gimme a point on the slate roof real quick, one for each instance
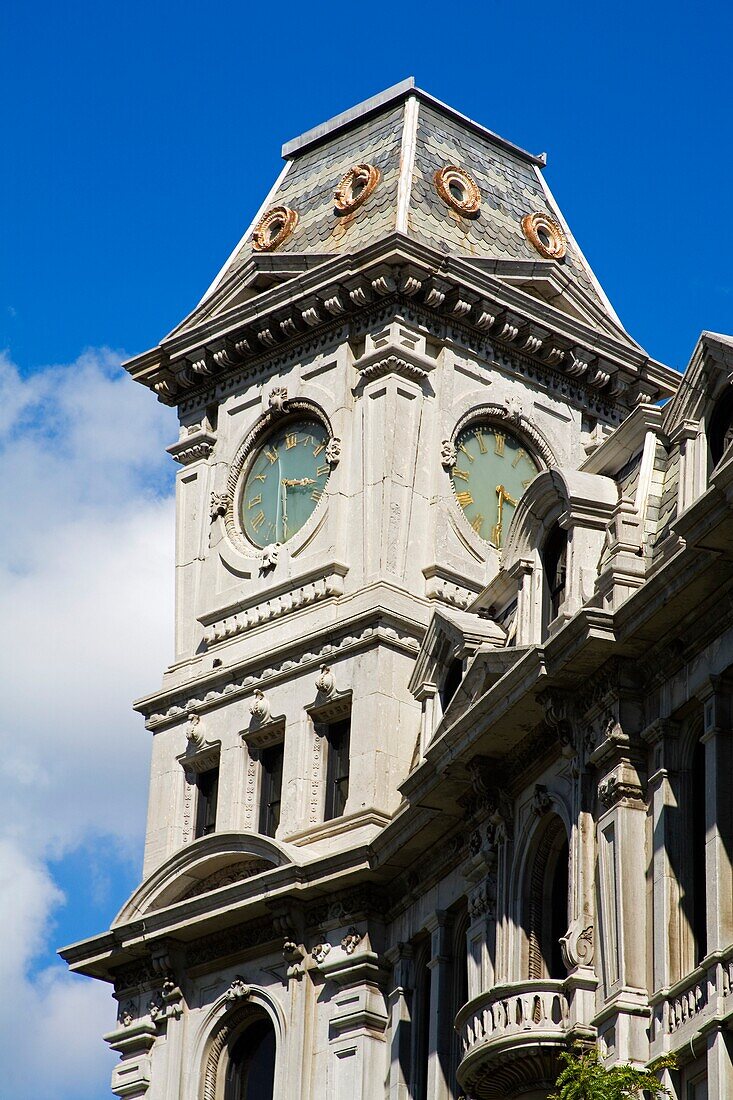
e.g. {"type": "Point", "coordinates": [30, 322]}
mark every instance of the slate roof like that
{"type": "Point", "coordinates": [383, 132]}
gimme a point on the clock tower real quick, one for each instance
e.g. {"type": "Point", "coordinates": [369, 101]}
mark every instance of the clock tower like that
{"type": "Point", "coordinates": [405, 339]}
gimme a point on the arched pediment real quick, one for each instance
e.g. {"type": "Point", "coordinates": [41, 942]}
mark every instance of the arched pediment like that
{"type": "Point", "coordinates": [209, 863]}
{"type": "Point", "coordinates": [586, 499]}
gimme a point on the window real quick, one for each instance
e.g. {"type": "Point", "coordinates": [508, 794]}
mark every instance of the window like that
{"type": "Point", "coordinates": [338, 736]}
{"type": "Point", "coordinates": [451, 682]}
{"type": "Point", "coordinates": [554, 561]}
{"type": "Point", "coordinates": [546, 903]}
{"type": "Point", "coordinates": [207, 784]}
{"type": "Point", "coordinates": [720, 427]}
{"type": "Point", "coordinates": [250, 1073]}
{"type": "Point", "coordinates": [271, 790]}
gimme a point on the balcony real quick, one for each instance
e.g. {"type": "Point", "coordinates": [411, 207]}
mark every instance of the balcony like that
{"type": "Point", "coordinates": [511, 1036]}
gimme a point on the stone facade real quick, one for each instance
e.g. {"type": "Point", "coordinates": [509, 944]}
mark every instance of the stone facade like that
{"type": "Point", "coordinates": [434, 794]}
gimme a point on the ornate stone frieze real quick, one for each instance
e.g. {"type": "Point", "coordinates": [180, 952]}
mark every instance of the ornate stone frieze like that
{"type": "Point", "coordinates": [192, 448]}
{"type": "Point", "coordinates": [185, 700]}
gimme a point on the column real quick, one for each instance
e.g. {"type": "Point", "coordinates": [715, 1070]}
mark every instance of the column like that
{"type": "Point", "coordinates": [441, 1004]}
{"type": "Point", "coordinates": [399, 1005]}
{"type": "Point", "coordinates": [718, 740]}
{"type": "Point", "coordinates": [720, 1065]}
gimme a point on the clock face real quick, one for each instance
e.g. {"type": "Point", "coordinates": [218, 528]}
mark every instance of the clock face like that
{"type": "Point", "coordinates": [492, 470]}
{"type": "Point", "coordinates": [284, 482]}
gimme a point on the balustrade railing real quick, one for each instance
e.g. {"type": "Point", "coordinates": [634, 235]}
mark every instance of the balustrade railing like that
{"type": "Point", "coordinates": [520, 1009]}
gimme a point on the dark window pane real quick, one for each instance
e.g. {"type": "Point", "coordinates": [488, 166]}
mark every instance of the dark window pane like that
{"type": "Point", "coordinates": [272, 781]}
{"type": "Point", "coordinates": [554, 558]}
{"type": "Point", "coordinates": [252, 1067]}
{"type": "Point", "coordinates": [208, 790]}
{"type": "Point", "coordinates": [337, 771]}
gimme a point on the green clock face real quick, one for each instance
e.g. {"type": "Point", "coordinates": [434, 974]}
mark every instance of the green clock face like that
{"type": "Point", "coordinates": [285, 482]}
{"type": "Point", "coordinates": [492, 470]}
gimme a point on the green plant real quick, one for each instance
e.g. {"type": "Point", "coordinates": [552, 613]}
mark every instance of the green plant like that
{"type": "Point", "coordinates": [584, 1077]}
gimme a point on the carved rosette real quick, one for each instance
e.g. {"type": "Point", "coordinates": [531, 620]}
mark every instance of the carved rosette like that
{"type": "Point", "coordinates": [274, 228]}
{"type": "Point", "coordinates": [355, 187]}
{"type": "Point", "coordinates": [545, 235]}
{"type": "Point", "coordinates": [458, 190]}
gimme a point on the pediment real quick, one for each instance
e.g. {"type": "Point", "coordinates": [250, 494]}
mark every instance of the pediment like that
{"type": "Point", "coordinates": [260, 273]}
{"type": "Point", "coordinates": [547, 282]}
{"type": "Point", "coordinates": [451, 634]}
{"type": "Point", "coordinates": [210, 863]}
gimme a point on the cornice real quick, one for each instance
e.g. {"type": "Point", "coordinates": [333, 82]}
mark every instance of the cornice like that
{"type": "Point", "coordinates": [309, 309]}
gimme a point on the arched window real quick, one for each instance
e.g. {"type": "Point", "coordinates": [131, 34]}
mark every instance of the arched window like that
{"type": "Point", "coordinates": [546, 916]}
{"type": "Point", "coordinates": [421, 1024]}
{"type": "Point", "coordinates": [251, 1069]}
{"type": "Point", "coordinates": [720, 427]}
{"type": "Point", "coordinates": [554, 564]}
{"type": "Point", "coordinates": [240, 1063]}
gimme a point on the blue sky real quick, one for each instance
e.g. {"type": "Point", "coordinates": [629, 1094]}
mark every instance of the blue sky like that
{"type": "Point", "coordinates": [139, 139]}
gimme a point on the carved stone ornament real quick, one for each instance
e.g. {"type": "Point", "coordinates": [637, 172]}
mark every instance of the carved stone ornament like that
{"type": "Point", "coordinates": [278, 399]}
{"type": "Point", "coordinates": [541, 801]}
{"type": "Point", "coordinates": [218, 505]}
{"type": "Point", "coordinates": [545, 235]}
{"type": "Point", "coordinates": [514, 409]}
{"type": "Point", "coordinates": [457, 189]}
{"type": "Point", "coordinates": [270, 555]}
{"type": "Point", "coordinates": [448, 454]}
{"type": "Point", "coordinates": [127, 1014]}
{"type": "Point", "coordinates": [194, 730]}
{"type": "Point", "coordinates": [273, 228]}
{"type": "Point", "coordinates": [320, 951]}
{"type": "Point", "coordinates": [577, 946]}
{"type": "Point", "coordinates": [260, 707]}
{"type": "Point", "coordinates": [325, 682]}
{"type": "Point", "coordinates": [351, 941]}
{"type": "Point", "coordinates": [333, 451]}
{"type": "Point", "coordinates": [238, 990]}
{"type": "Point", "coordinates": [355, 187]}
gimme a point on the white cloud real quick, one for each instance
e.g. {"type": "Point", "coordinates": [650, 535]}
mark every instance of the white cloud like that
{"type": "Point", "coordinates": [86, 589]}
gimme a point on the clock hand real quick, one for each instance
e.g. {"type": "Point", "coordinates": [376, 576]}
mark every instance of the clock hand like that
{"type": "Point", "coordinates": [284, 501]}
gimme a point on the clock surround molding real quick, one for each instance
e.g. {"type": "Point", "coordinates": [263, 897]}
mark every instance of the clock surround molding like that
{"type": "Point", "coordinates": [297, 408]}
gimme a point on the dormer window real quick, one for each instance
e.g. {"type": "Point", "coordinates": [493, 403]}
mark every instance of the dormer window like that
{"type": "Point", "coordinates": [720, 427]}
{"type": "Point", "coordinates": [451, 682]}
{"type": "Point", "coordinates": [554, 562]}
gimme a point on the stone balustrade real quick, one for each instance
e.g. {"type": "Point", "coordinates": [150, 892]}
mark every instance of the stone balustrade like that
{"type": "Point", "coordinates": [531, 1019]}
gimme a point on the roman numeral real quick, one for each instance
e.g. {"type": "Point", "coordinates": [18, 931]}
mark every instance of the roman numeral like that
{"type": "Point", "coordinates": [477, 524]}
{"type": "Point", "coordinates": [496, 534]}
{"type": "Point", "coordinates": [316, 495]}
{"type": "Point", "coordinates": [521, 453]}
{"type": "Point", "coordinates": [258, 520]}
{"type": "Point", "coordinates": [481, 444]}
{"type": "Point", "coordinates": [321, 470]}
{"type": "Point", "coordinates": [499, 441]}
{"type": "Point", "coordinates": [527, 481]}
{"type": "Point", "coordinates": [462, 474]}
{"type": "Point", "coordinates": [260, 477]}
{"type": "Point", "coordinates": [255, 500]}
{"type": "Point", "coordinates": [290, 441]}
{"type": "Point", "coordinates": [272, 455]}
{"type": "Point", "coordinates": [462, 447]}
{"type": "Point", "coordinates": [464, 499]}
{"type": "Point", "coordinates": [318, 449]}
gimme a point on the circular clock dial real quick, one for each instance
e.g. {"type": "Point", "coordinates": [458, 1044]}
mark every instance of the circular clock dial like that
{"type": "Point", "coordinates": [285, 482]}
{"type": "Point", "coordinates": [492, 470]}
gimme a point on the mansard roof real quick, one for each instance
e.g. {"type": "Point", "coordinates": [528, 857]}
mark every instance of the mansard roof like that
{"type": "Point", "coordinates": [408, 135]}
